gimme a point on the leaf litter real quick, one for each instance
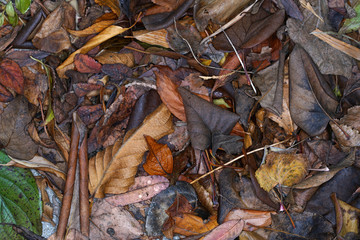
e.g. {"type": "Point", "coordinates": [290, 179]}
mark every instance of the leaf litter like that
{"type": "Point", "coordinates": [154, 102]}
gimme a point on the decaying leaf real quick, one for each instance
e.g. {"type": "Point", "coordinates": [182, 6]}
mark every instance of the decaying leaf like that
{"type": "Point", "coordinates": [159, 161]}
{"type": "Point", "coordinates": [95, 28]}
{"type": "Point", "coordinates": [144, 188]}
{"type": "Point", "coordinates": [113, 170]}
{"type": "Point", "coordinates": [252, 218]}
{"type": "Point", "coordinates": [350, 124]}
{"type": "Point", "coordinates": [226, 231]}
{"type": "Point", "coordinates": [13, 130]}
{"type": "Point", "coordinates": [11, 76]}
{"type": "Point", "coordinates": [281, 168]}
{"type": "Point", "coordinates": [152, 37]}
{"type": "Point", "coordinates": [312, 101]}
{"type": "Point", "coordinates": [86, 64]}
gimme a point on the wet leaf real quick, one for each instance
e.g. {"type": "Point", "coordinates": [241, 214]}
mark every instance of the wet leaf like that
{"type": "Point", "coordinates": [159, 161]}
{"type": "Point", "coordinates": [13, 130]}
{"type": "Point", "coordinates": [311, 99]}
{"type": "Point", "coordinates": [113, 170]}
{"type": "Point", "coordinates": [226, 231]}
{"type": "Point", "coordinates": [112, 4]}
{"type": "Point", "coordinates": [11, 76]}
{"type": "Point", "coordinates": [86, 64]}
{"type": "Point", "coordinates": [21, 205]}
{"type": "Point", "coordinates": [281, 168]}
{"type": "Point", "coordinates": [95, 28]}
{"type": "Point", "coordinates": [205, 119]}
{"type": "Point", "coordinates": [144, 188]}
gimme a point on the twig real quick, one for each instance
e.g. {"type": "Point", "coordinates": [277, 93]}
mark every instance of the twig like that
{"type": "Point", "coordinates": [237, 158]}
{"type": "Point", "coordinates": [84, 192]}
{"type": "Point", "coordinates": [69, 184]}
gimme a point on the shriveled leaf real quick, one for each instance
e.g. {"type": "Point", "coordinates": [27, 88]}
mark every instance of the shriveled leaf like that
{"type": "Point", "coordinates": [38, 163]}
{"type": "Point", "coordinates": [189, 224]}
{"type": "Point", "coordinates": [13, 130]}
{"type": "Point", "coordinates": [144, 188]}
{"type": "Point", "coordinates": [86, 64]}
{"type": "Point", "coordinates": [167, 90]}
{"type": "Point", "coordinates": [159, 161]}
{"type": "Point", "coordinates": [95, 28]}
{"type": "Point", "coordinates": [251, 30]}
{"type": "Point", "coordinates": [112, 4]}
{"type": "Point", "coordinates": [152, 37]}
{"type": "Point", "coordinates": [311, 99]}
{"type": "Point", "coordinates": [19, 199]}
{"type": "Point", "coordinates": [106, 34]}
{"type": "Point", "coordinates": [281, 168]}
{"type": "Point", "coordinates": [113, 170]}
{"type": "Point", "coordinates": [107, 57]}
{"type": "Point", "coordinates": [226, 231]}
{"type": "Point", "coordinates": [205, 197]}
{"type": "Point", "coordinates": [350, 124]}
{"type": "Point", "coordinates": [252, 218]}
{"type": "Point", "coordinates": [11, 76]}
{"type": "Point", "coordinates": [205, 119]}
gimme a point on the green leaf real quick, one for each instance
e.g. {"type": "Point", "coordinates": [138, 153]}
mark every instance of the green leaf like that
{"type": "Point", "coordinates": [13, 20]}
{"type": "Point", "coordinates": [2, 19]}
{"type": "Point", "coordinates": [22, 5]}
{"type": "Point", "coordinates": [19, 200]}
{"type": "Point", "coordinates": [352, 24]}
{"type": "Point", "coordinates": [9, 9]}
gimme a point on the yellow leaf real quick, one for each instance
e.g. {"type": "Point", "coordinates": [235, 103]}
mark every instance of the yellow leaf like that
{"type": "Point", "coordinates": [106, 34]}
{"type": "Point", "coordinates": [152, 37]}
{"type": "Point", "coordinates": [95, 28]}
{"type": "Point", "coordinates": [112, 4]}
{"type": "Point", "coordinates": [281, 168]}
{"type": "Point", "coordinates": [113, 170]}
{"type": "Point", "coordinates": [350, 218]}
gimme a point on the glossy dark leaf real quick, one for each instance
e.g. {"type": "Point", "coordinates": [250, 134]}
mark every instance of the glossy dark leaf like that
{"type": "Point", "coordinates": [311, 99]}
{"type": "Point", "coordinates": [205, 118]}
{"type": "Point", "coordinates": [11, 76]}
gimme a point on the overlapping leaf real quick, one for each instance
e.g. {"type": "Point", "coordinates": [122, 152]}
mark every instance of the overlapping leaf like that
{"type": "Point", "coordinates": [11, 76]}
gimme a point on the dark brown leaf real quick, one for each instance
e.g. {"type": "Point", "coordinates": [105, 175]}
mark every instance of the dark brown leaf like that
{"type": "Point", "coordinates": [117, 71]}
{"type": "Point", "coordinates": [81, 89]}
{"type": "Point", "coordinates": [90, 114]}
{"type": "Point", "coordinates": [11, 76]}
{"type": "Point", "coordinates": [86, 64]}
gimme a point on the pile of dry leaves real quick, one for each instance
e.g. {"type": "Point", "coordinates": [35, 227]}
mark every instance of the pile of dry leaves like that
{"type": "Point", "coordinates": [185, 119]}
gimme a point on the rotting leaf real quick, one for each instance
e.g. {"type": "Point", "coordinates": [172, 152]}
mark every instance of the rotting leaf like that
{"type": "Point", "coordinates": [11, 76]}
{"type": "Point", "coordinates": [159, 161]}
{"type": "Point", "coordinates": [86, 64]}
{"type": "Point", "coordinates": [205, 119]}
{"type": "Point", "coordinates": [13, 130]}
{"type": "Point", "coordinates": [281, 168]}
{"type": "Point", "coordinates": [113, 170]}
{"type": "Point", "coordinates": [312, 101]}
{"type": "Point", "coordinates": [144, 188]}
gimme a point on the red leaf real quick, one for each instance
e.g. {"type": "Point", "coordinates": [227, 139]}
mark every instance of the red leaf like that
{"type": "Point", "coordinates": [5, 95]}
{"type": "Point", "coordinates": [11, 76]}
{"type": "Point", "coordinates": [86, 64]}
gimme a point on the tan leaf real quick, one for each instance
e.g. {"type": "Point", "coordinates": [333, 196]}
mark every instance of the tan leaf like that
{"type": "Point", "coordinates": [108, 57]}
{"type": "Point", "coordinates": [38, 163]}
{"type": "Point", "coordinates": [152, 37]}
{"type": "Point", "coordinates": [106, 34]}
{"type": "Point", "coordinates": [226, 231]}
{"type": "Point", "coordinates": [281, 168]}
{"type": "Point", "coordinates": [113, 170]}
{"type": "Point", "coordinates": [159, 161]}
{"type": "Point", "coordinates": [95, 28]}
{"type": "Point", "coordinates": [112, 4]}
{"type": "Point", "coordinates": [339, 45]}
{"type": "Point", "coordinates": [189, 224]}
{"type": "Point", "coordinates": [251, 217]}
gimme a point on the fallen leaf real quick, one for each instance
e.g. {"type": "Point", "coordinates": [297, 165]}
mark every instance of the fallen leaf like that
{"type": "Point", "coordinates": [117, 71]}
{"type": "Point", "coordinates": [292, 9]}
{"type": "Point", "coordinates": [108, 57]}
{"type": "Point", "coordinates": [13, 130]}
{"type": "Point", "coordinates": [205, 119]}
{"type": "Point", "coordinates": [159, 161]}
{"type": "Point", "coordinates": [106, 34]}
{"type": "Point", "coordinates": [281, 168]}
{"type": "Point", "coordinates": [189, 224]}
{"type": "Point", "coordinates": [90, 114]}
{"type": "Point", "coordinates": [95, 28]}
{"type": "Point", "coordinates": [312, 101]}
{"type": "Point", "coordinates": [252, 218]}
{"type": "Point", "coordinates": [144, 188]}
{"type": "Point", "coordinates": [112, 4]}
{"type": "Point", "coordinates": [11, 77]}
{"type": "Point", "coordinates": [86, 64]}
{"type": "Point", "coordinates": [226, 231]}
{"type": "Point", "coordinates": [5, 95]}
{"type": "Point", "coordinates": [113, 170]}
{"type": "Point", "coordinates": [350, 124]}
{"type": "Point", "coordinates": [352, 24]}
{"type": "Point", "coordinates": [157, 37]}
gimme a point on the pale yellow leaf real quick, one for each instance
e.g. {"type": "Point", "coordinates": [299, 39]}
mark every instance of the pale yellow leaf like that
{"type": "Point", "coordinates": [350, 218]}
{"type": "Point", "coordinates": [339, 45]}
{"type": "Point", "coordinates": [95, 28]}
{"type": "Point", "coordinates": [281, 168]}
{"type": "Point", "coordinates": [106, 34]}
{"type": "Point", "coordinates": [113, 170]}
{"type": "Point", "coordinates": [152, 37]}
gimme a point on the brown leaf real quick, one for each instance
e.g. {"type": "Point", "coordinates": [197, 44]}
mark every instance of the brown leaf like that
{"type": "Point", "coordinates": [112, 4]}
{"type": "Point", "coordinates": [188, 224]}
{"type": "Point", "coordinates": [159, 161]}
{"type": "Point", "coordinates": [11, 77]}
{"type": "Point", "coordinates": [90, 114]}
{"type": "Point", "coordinates": [106, 34]}
{"type": "Point", "coordinates": [5, 95]}
{"type": "Point", "coordinates": [152, 37]}
{"type": "Point", "coordinates": [95, 28]}
{"type": "Point", "coordinates": [226, 231]}
{"type": "Point", "coordinates": [281, 168]}
{"type": "Point", "coordinates": [86, 64]}
{"type": "Point", "coordinates": [252, 218]}
{"type": "Point", "coordinates": [144, 188]}
{"type": "Point", "coordinates": [108, 57]}
{"type": "Point", "coordinates": [82, 89]}
{"type": "Point", "coordinates": [113, 170]}
{"type": "Point", "coordinates": [13, 130]}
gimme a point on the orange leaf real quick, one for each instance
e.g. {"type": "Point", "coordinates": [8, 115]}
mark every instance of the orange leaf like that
{"type": "Point", "coordinates": [11, 76]}
{"type": "Point", "coordinates": [189, 224]}
{"type": "Point", "coordinates": [160, 160]}
{"type": "Point", "coordinates": [112, 4]}
{"type": "Point", "coordinates": [95, 28]}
